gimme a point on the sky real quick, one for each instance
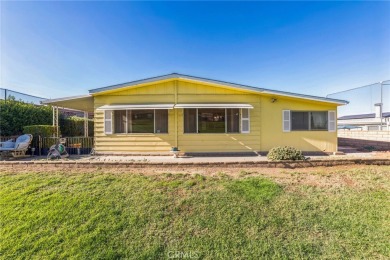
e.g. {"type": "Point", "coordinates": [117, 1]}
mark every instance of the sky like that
{"type": "Point", "coordinates": [57, 49]}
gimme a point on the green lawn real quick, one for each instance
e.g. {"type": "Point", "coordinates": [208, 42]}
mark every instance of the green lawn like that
{"type": "Point", "coordinates": [329, 214]}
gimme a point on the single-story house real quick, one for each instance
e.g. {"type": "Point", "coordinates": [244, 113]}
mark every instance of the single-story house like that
{"type": "Point", "coordinates": [199, 115]}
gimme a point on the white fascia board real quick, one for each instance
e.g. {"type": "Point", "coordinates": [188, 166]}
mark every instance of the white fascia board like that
{"type": "Point", "coordinates": [214, 106]}
{"type": "Point", "coordinates": [135, 106]}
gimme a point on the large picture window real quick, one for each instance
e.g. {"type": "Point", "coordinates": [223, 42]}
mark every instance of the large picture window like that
{"type": "Point", "coordinates": [138, 121]}
{"type": "Point", "coordinates": [309, 121]}
{"type": "Point", "coordinates": [213, 120]}
{"type": "Point", "coordinates": [141, 121]}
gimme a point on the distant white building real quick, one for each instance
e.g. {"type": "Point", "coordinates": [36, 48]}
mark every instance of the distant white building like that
{"type": "Point", "coordinates": [368, 122]}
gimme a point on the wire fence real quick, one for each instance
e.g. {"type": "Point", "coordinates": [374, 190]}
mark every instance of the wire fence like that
{"type": "Point", "coordinates": [362, 100]}
{"type": "Point", "coordinates": [6, 94]}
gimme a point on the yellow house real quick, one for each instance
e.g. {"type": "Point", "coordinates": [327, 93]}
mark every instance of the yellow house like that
{"type": "Point", "coordinates": [198, 115]}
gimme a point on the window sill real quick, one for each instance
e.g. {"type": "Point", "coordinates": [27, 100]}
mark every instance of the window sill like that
{"type": "Point", "coordinates": [135, 134]}
{"type": "Point", "coordinates": [310, 130]}
{"type": "Point", "coordinates": [214, 133]}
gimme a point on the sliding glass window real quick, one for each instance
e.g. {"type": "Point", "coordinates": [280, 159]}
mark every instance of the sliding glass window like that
{"type": "Point", "coordinates": [309, 121]}
{"type": "Point", "coordinates": [212, 120]}
{"type": "Point", "coordinates": [141, 121]}
{"type": "Point", "coordinates": [120, 121]}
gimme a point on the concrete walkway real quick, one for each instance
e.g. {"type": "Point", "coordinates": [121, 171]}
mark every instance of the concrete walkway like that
{"type": "Point", "coordinates": [209, 159]}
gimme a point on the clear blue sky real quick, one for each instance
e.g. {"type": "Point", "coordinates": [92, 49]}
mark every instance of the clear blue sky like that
{"type": "Point", "coordinates": [55, 49]}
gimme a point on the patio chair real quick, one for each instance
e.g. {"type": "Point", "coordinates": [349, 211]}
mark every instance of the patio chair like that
{"type": "Point", "coordinates": [17, 148]}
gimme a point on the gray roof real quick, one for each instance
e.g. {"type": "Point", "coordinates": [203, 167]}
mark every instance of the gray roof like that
{"type": "Point", "coordinates": [363, 116]}
{"type": "Point", "coordinates": [219, 82]}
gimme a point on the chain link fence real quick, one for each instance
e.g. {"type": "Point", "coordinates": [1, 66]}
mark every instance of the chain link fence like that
{"type": "Point", "coordinates": [6, 94]}
{"type": "Point", "coordinates": [362, 100]}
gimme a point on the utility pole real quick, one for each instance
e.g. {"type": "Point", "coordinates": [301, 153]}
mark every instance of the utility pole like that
{"type": "Point", "coordinates": [380, 128]}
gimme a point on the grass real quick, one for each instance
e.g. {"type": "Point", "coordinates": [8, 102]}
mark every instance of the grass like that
{"type": "Point", "coordinates": [109, 215]}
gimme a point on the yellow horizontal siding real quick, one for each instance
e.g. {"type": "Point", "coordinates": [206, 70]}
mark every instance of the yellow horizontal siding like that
{"type": "Point", "coordinates": [190, 88]}
{"type": "Point", "coordinates": [133, 142]}
{"type": "Point", "coordinates": [265, 121]}
{"type": "Point", "coordinates": [273, 134]}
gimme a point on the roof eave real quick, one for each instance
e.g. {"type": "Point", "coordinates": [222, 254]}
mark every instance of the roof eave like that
{"type": "Point", "coordinates": [218, 82]}
{"type": "Point", "coordinates": [49, 101]}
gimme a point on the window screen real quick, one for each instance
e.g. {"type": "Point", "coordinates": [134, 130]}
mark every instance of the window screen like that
{"type": "Point", "coordinates": [141, 121]}
{"type": "Point", "coordinates": [161, 121]}
{"type": "Point", "coordinates": [211, 120]}
{"type": "Point", "coordinates": [233, 120]}
{"type": "Point", "coordinates": [319, 120]}
{"type": "Point", "coordinates": [299, 120]}
{"type": "Point", "coordinates": [190, 120]}
{"type": "Point", "coordinates": [311, 120]}
{"type": "Point", "coordinates": [215, 120]}
{"type": "Point", "coordinates": [120, 121]}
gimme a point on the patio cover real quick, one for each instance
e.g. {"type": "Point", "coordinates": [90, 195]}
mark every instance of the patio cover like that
{"type": "Point", "coordinates": [135, 106]}
{"type": "Point", "coordinates": [82, 103]}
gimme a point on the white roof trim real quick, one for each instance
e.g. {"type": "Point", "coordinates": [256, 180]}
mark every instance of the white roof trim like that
{"type": "Point", "coordinates": [135, 106]}
{"type": "Point", "coordinates": [218, 82]}
{"type": "Point", "coordinates": [213, 106]}
{"type": "Point", "coordinates": [49, 101]}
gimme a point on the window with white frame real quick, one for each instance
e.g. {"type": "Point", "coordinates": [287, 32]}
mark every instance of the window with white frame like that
{"type": "Point", "coordinates": [216, 120]}
{"type": "Point", "coordinates": [309, 120]}
{"type": "Point", "coordinates": [136, 121]}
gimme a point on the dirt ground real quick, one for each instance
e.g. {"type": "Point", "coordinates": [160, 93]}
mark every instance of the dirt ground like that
{"type": "Point", "coordinates": [326, 177]}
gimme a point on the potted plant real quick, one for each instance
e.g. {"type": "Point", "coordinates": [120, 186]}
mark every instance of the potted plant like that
{"type": "Point", "coordinates": [175, 152]}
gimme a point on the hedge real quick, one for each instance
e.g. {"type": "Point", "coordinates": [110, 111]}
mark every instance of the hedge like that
{"type": "Point", "coordinates": [14, 115]}
{"type": "Point", "coordinates": [42, 130]}
{"type": "Point", "coordinates": [74, 126]}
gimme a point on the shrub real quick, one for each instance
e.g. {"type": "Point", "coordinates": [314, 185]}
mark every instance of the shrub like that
{"type": "Point", "coordinates": [14, 115]}
{"type": "Point", "coordinates": [42, 130]}
{"type": "Point", "coordinates": [74, 126]}
{"type": "Point", "coordinates": [285, 153]}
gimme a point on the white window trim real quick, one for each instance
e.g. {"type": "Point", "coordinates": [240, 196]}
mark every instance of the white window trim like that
{"type": "Point", "coordinates": [126, 122]}
{"type": "Point", "coordinates": [309, 121]}
{"type": "Point", "coordinates": [226, 132]}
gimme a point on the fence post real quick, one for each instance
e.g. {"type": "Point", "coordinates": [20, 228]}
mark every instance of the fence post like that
{"type": "Point", "coordinates": [86, 124]}
{"type": "Point", "coordinates": [40, 145]}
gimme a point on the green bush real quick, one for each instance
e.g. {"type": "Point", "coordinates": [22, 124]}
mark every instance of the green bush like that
{"type": "Point", "coordinates": [74, 126]}
{"type": "Point", "coordinates": [42, 130]}
{"type": "Point", "coordinates": [285, 153]}
{"type": "Point", "coordinates": [14, 115]}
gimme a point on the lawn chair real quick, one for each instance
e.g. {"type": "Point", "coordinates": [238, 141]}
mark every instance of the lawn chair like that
{"type": "Point", "coordinates": [16, 149]}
